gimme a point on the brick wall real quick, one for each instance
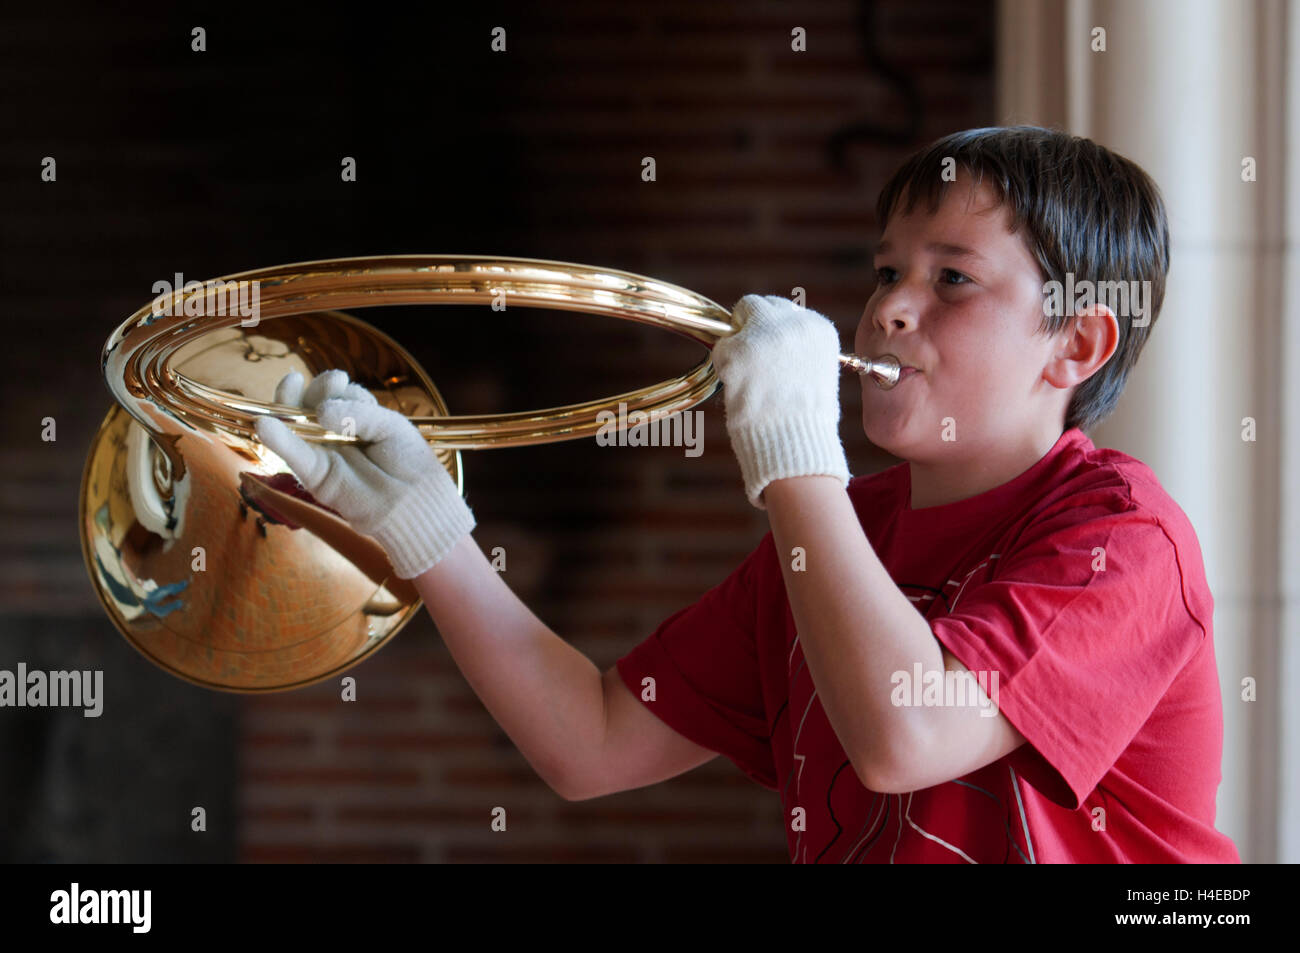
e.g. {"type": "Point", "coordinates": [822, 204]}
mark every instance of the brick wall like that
{"type": "Point", "coordinates": [533, 152]}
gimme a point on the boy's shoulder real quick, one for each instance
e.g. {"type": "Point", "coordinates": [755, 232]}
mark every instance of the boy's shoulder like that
{"type": "Point", "coordinates": [1075, 488]}
{"type": "Point", "coordinates": [1125, 496]}
{"type": "Point", "coordinates": [1091, 475]}
{"type": "Point", "coordinates": [1078, 475]}
{"type": "Point", "coordinates": [1147, 500]}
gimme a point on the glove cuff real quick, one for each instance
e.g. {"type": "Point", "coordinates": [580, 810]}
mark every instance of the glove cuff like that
{"type": "Point", "coordinates": [425, 525]}
{"type": "Point", "coordinates": [787, 447]}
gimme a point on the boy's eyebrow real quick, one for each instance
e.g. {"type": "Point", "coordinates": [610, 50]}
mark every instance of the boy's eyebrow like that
{"type": "Point", "coordinates": [954, 251]}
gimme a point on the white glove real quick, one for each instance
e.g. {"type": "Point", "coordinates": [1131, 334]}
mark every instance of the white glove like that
{"type": "Point", "coordinates": [781, 380]}
{"type": "Point", "coordinates": [395, 489]}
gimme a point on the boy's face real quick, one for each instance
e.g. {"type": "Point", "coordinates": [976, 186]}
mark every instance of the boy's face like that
{"type": "Point", "coordinates": [967, 323]}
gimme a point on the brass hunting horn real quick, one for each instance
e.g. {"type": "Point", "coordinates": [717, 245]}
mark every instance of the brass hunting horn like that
{"type": "Point", "coordinates": [205, 550]}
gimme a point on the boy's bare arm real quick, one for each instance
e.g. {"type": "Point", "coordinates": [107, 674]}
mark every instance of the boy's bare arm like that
{"type": "Point", "coordinates": [546, 695]}
{"type": "Point", "coordinates": [639, 749]}
{"type": "Point", "coordinates": [857, 628]}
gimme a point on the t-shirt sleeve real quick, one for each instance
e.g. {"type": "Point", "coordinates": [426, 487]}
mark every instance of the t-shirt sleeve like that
{"type": "Point", "coordinates": [705, 666]}
{"type": "Point", "coordinates": [1085, 620]}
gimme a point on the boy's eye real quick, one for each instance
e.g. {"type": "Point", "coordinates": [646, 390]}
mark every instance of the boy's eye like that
{"type": "Point", "coordinates": [946, 275]}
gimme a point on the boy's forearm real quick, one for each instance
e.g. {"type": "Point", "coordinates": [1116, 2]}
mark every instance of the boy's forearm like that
{"type": "Point", "coordinates": [856, 626]}
{"type": "Point", "coordinates": [545, 694]}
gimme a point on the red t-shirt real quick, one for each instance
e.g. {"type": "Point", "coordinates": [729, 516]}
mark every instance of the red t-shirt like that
{"type": "Point", "coordinates": [1109, 673]}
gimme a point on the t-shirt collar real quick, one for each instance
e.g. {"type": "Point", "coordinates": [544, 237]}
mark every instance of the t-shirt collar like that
{"type": "Point", "coordinates": [992, 504]}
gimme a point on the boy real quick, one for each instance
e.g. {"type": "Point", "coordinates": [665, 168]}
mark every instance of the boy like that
{"type": "Point", "coordinates": [997, 651]}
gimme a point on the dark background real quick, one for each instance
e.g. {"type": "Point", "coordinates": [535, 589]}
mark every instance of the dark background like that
{"type": "Point", "coordinates": [768, 164]}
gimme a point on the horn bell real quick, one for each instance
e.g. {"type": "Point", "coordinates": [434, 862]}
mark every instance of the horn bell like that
{"type": "Point", "coordinates": [209, 557]}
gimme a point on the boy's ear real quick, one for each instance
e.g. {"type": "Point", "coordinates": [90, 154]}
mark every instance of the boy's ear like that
{"type": "Point", "coordinates": [1082, 346]}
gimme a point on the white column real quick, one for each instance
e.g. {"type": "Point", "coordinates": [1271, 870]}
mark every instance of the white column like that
{"type": "Point", "coordinates": [1286, 610]}
{"type": "Point", "coordinates": [1188, 89]}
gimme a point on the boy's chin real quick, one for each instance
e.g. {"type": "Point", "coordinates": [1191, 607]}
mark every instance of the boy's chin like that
{"type": "Point", "coordinates": [902, 443]}
{"type": "Point", "coordinates": [889, 439]}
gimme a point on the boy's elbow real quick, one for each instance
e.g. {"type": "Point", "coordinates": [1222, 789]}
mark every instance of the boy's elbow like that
{"type": "Point", "coordinates": [571, 791]}
{"type": "Point", "coordinates": [889, 769]}
{"type": "Point", "coordinates": [568, 793]}
{"type": "Point", "coordinates": [572, 795]}
{"type": "Point", "coordinates": [878, 777]}
{"type": "Point", "coordinates": [883, 780]}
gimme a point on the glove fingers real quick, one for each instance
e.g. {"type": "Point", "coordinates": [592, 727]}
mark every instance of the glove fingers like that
{"type": "Point", "coordinates": [742, 309]}
{"type": "Point", "coordinates": [773, 319]}
{"type": "Point", "coordinates": [394, 443]}
{"type": "Point", "coordinates": [759, 309]}
{"type": "Point", "coordinates": [355, 391]}
{"type": "Point", "coordinates": [289, 390]}
{"type": "Point", "coordinates": [324, 386]}
{"type": "Point", "coordinates": [353, 487]}
{"type": "Point", "coordinates": [309, 463]}
{"type": "Point", "coordinates": [370, 422]}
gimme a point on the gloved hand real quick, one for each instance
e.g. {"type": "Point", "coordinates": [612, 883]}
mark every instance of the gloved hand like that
{"type": "Point", "coordinates": [781, 378]}
{"type": "Point", "coordinates": [392, 487]}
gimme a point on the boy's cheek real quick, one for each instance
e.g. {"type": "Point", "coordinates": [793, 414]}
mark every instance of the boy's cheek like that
{"type": "Point", "coordinates": [861, 335]}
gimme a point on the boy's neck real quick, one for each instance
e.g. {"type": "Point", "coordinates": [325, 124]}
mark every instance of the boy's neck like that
{"type": "Point", "coordinates": [937, 484]}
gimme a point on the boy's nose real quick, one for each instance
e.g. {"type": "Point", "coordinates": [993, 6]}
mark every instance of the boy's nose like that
{"type": "Point", "coordinates": [894, 314]}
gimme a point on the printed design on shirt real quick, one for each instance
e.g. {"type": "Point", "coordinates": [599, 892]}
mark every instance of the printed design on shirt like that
{"type": "Point", "coordinates": [925, 598]}
{"type": "Point", "coordinates": [796, 771]}
{"type": "Point", "coordinates": [862, 848]}
{"type": "Point", "coordinates": [1024, 821]}
{"type": "Point", "coordinates": [800, 759]}
{"type": "Point", "coordinates": [865, 839]}
{"type": "Point", "coordinates": [858, 846]}
{"type": "Point", "coordinates": [852, 789]}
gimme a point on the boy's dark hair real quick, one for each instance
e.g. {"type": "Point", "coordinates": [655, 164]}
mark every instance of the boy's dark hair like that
{"type": "Point", "coordinates": [1083, 210]}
